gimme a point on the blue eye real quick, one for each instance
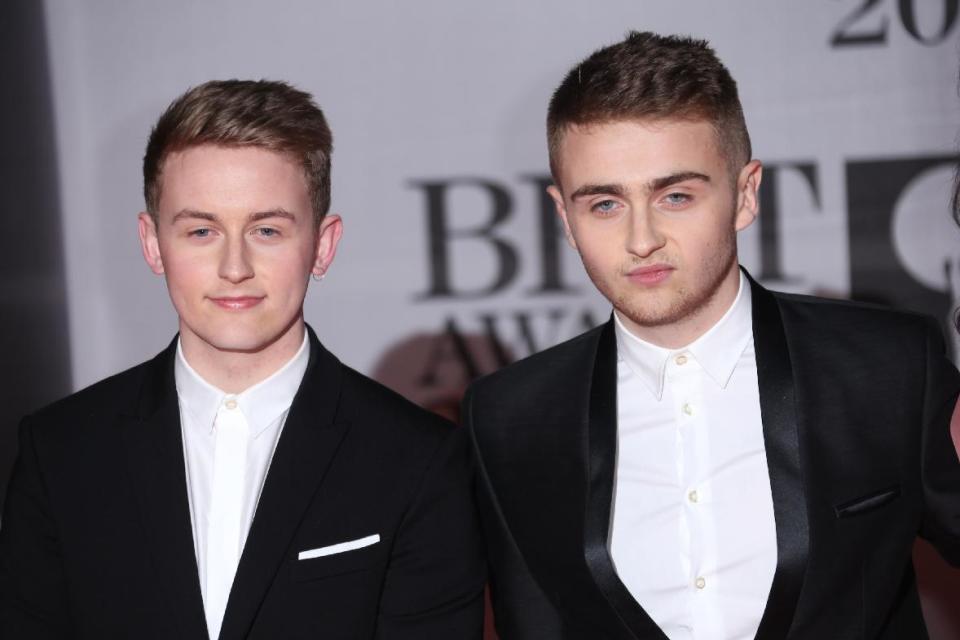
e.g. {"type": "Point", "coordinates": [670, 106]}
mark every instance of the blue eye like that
{"type": "Point", "coordinates": [200, 233]}
{"type": "Point", "coordinates": [267, 232]}
{"type": "Point", "coordinates": [677, 198]}
{"type": "Point", "coordinates": [605, 206]}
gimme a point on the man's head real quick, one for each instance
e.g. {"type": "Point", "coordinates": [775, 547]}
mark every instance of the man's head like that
{"type": "Point", "coordinates": [653, 179]}
{"type": "Point", "coordinates": [237, 183]}
{"type": "Point", "coordinates": [244, 113]}
{"type": "Point", "coordinates": [648, 77]}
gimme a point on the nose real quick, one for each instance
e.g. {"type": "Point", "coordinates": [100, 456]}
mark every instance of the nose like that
{"type": "Point", "coordinates": [644, 237]}
{"type": "Point", "coordinates": [235, 265]}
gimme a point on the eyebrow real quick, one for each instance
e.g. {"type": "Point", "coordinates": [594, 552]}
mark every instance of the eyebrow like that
{"type": "Point", "coordinates": [656, 184]}
{"type": "Point", "coordinates": [192, 214]}
{"type": "Point", "coordinates": [599, 190]}
{"type": "Point", "coordinates": [272, 213]}
{"type": "Point", "coordinates": [662, 183]}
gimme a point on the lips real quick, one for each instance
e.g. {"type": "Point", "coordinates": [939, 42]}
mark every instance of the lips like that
{"type": "Point", "coordinates": [650, 275]}
{"type": "Point", "coordinates": [237, 303]}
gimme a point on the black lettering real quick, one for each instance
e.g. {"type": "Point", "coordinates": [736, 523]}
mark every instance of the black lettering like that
{"type": "Point", "coordinates": [845, 36]}
{"type": "Point", "coordinates": [908, 15]}
{"type": "Point", "coordinates": [876, 274]}
{"type": "Point", "coordinates": [771, 213]}
{"type": "Point", "coordinates": [441, 234]}
{"type": "Point", "coordinates": [552, 241]}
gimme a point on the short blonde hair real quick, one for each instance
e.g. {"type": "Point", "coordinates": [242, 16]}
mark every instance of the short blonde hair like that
{"type": "Point", "coordinates": [244, 113]}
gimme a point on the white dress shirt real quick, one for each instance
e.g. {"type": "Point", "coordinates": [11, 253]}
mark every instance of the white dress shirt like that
{"type": "Point", "coordinates": [262, 410]}
{"type": "Point", "coordinates": [693, 535]}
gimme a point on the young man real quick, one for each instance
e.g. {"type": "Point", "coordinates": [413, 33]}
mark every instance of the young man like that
{"type": "Point", "coordinates": [243, 483]}
{"type": "Point", "coordinates": [717, 460]}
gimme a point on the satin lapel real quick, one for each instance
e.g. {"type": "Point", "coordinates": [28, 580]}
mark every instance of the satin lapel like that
{"type": "Point", "coordinates": [306, 447]}
{"type": "Point", "coordinates": [602, 464]}
{"type": "Point", "coordinates": [780, 432]}
{"type": "Point", "coordinates": [154, 449]}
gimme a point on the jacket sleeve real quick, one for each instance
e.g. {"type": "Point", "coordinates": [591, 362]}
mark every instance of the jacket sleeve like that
{"type": "Point", "coordinates": [940, 467]}
{"type": "Point", "coordinates": [521, 610]}
{"type": "Point", "coordinates": [434, 584]}
{"type": "Point", "coordinates": [33, 601]}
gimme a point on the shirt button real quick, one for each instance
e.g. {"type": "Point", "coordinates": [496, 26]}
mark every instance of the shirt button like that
{"type": "Point", "coordinates": [681, 359]}
{"type": "Point", "coordinates": [700, 583]}
{"type": "Point", "coordinates": [692, 496]}
{"type": "Point", "coordinates": [230, 404]}
{"type": "Point", "coordinates": [688, 408]}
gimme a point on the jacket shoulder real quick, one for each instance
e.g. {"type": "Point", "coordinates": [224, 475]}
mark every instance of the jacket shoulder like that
{"type": "Point", "coordinates": [851, 317]}
{"type": "Point", "coordinates": [552, 362]}
{"type": "Point", "coordinates": [371, 403]}
{"type": "Point", "coordinates": [537, 387]}
{"type": "Point", "coordinates": [115, 394]}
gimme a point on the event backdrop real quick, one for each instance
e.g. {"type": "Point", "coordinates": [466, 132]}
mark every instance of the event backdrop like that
{"type": "Point", "coordinates": [439, 167]}
{"type": "Point", "coordinates": [452, 262]}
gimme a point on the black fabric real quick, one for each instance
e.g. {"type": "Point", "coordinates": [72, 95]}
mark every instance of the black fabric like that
{"type": "Point", "coordinates": [603, 450]}
{"type": "Point", "coordinates": [96, 539]}
{"type": "Point", "coordinates": [854, 400]}
{"type": "Point", "coordinates": [778, 412]}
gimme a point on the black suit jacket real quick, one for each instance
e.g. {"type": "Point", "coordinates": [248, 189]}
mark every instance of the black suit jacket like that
{"type": "Point", "coordinates": [96, 536]}
{"type": "Point", "coordinates": [855, 404]}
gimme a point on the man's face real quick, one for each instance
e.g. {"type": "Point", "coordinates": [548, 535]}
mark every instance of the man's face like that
{"type": "Point", "coordinates": [653, 211]}
{"type": "Point", "coordinates": [236, 240]}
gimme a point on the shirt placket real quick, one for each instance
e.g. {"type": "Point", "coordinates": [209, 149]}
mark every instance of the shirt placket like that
{"type": "Point", "coordinates": [686, 377]}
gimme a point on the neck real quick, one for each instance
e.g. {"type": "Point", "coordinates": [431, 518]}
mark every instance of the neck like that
{"type": "Point", "coordinates": [234, 371]}
{"type": "Point", "coordinates": [679, 334]}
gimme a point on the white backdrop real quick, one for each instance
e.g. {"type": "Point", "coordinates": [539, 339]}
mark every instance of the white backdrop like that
{"type": "Point", "coordinates": [437, 109]}
{"type": "Point", "coordinates": [428, 92]}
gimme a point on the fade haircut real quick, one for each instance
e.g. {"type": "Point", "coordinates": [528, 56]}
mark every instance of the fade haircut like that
{"type": "Point", "coordinates": [244, 113]}
{"type": "Point", "coordinates": [651, 77]}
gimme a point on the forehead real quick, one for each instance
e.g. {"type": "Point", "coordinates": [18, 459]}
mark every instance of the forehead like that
{"type": "Point", "coordinates": [212, 177]}
{"type": "Point", "coordinates": [626, 150]}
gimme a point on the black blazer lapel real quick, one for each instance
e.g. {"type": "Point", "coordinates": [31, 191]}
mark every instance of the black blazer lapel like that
{"type": "Point", "coordinates": [154, 449]}
{"type": "Point", "coordinates": [602, 438]}
{"type": "Point", "coordinates": [533, 436]}
{"type": "Point", "coordinates": [306, 447]}
{"type": "Point", "coordinates": [781, 438]}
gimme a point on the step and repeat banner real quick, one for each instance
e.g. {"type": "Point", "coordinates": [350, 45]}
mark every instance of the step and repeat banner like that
{"type": "Point", "coordinates": [452, 262]}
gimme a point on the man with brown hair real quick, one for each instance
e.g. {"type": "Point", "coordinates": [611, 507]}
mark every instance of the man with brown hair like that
{"type": "Point", "coordinates": [244, 483]}
{"type": "Point", "coordinates": [717, 461]}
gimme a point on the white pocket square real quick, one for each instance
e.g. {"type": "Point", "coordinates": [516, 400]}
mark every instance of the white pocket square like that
{"type": "Point", "coordinates": [341, 547]}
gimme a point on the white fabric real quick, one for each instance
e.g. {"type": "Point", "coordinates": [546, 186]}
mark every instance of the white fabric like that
{"type": "Point", "coordinates": [693, 535]}
{"type": "Point", "coordinates": [228, 443]}
{"type": "Point", "coordinates": [340, 547]}
{"type": "Point", "coordinates": [226, 507]}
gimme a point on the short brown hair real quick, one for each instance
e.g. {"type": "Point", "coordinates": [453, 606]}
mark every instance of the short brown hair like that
{"type": "Point", "coordinates": [650, 77]}
{"type": "Point", "coordinates": [244, 113]}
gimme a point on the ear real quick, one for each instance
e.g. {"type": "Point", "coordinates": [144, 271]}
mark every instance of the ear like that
{"type": "Point", "coordinates": [149, 243]}
{"type": "Point", "coordinates": [328, 237]}
{"type": "Point", "coordinates": [557, 198]}
{"type": "Point", "coordinates": [748, 201]}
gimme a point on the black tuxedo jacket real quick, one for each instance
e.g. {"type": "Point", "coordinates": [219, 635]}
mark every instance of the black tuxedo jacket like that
{"type": "Point", "coordinates": [96, 539]}
{"type": "Point", "coordinates": [855, 404]}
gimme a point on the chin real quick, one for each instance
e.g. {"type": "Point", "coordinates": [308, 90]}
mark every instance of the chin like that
{"type": "Point", "coordinates": [236, 337]}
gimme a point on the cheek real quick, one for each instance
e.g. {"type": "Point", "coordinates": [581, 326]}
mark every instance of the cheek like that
{"type": "Point", "coordinates": [182, 273]}
{"type": "Point", "coordinates": [290, 270]}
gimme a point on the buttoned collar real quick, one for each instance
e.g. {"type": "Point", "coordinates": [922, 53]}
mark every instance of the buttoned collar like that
{"type": "Point", "coordinates": [717, 350]}
{"type": "Point", "coordinates": [262, 404]}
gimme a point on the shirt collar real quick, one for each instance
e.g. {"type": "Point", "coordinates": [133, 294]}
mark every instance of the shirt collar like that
{"type": "Point", "coordinates": [717, 351]}
{"type": "Point", "coordinates": [262, 404]}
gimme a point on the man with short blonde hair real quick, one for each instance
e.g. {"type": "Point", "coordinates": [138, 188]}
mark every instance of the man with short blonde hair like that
{"type": "Point", "coordinates": [244, 483]}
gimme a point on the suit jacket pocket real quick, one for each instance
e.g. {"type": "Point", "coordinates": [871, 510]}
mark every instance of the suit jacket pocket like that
{"type": "Point", "coordinates": [339, 563]}
{"type": "Point", "coordinates": [867, 503]}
